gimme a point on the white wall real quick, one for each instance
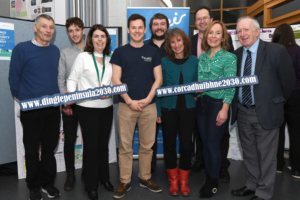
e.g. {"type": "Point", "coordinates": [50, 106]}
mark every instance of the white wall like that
{"type": "Point", "coordinates": [4, 8]}
{"type": "Point", "coordinates": [117, 16]}
{"type": "Point", "coordinates": [60, 12]}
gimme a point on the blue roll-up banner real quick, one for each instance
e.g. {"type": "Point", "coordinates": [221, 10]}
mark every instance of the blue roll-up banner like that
{"type": "Point", "coordinates": [178, 17]}
{"type": "Point", "coordinates": [113, 36]}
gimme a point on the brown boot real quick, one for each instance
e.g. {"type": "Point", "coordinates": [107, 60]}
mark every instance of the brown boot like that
{"type": "Point", "coordinates": [184, 181]}
{"type": "Point", "coordinates": [173, 179]}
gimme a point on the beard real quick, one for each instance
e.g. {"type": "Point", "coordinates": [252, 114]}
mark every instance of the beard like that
{"type": "Point", "coordinates": [162, 37]}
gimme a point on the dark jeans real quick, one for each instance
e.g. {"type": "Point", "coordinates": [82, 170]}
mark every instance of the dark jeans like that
{"type": "Point", "coordinates": [184, 121]}
{"type": "Point", "coordinates": [40, 129]}
{"type": "Point", "coordinates": [70, 125]}
{"type": "Point", "coordinates": [96, 126]}
{"type": "Point", "coordinates": [292, 116]}
{"type": "Point", "coordinates": [224, 147]}
{"type": "Point", "coordinates": [211, 135]}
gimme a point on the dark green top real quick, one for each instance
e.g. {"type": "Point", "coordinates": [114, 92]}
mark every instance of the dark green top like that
{"type": "Point", "coordinates": [222, 65]}
{"type": "Point", "coordinates": [171, 75]}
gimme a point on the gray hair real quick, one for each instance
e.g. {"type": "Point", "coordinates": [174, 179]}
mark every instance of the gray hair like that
{"type": "Point", "coordinates": [36, 21]}
{"type": "Point", "coordinates": [255, 22]}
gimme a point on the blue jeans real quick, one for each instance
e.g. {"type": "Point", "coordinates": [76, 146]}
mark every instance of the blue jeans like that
{"type": "Point", "coordinates": [211, 135]}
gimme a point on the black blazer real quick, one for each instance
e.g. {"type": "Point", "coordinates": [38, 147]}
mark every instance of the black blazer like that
{"type": "Point", "coordinates": [194, 40]}
{"type": "Point", "coordinates": [276, 76]}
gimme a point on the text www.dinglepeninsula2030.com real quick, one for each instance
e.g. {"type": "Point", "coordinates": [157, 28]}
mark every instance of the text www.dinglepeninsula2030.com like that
{"type": "Point", "coordinates": [59, 99]}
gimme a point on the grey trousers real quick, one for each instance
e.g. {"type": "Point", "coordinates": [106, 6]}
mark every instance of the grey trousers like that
{"type": "Point", "coordinates": [259, 152]}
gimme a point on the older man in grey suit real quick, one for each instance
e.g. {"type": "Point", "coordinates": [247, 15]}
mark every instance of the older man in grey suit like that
{"type": "Point", "coordinates": [258, 109]}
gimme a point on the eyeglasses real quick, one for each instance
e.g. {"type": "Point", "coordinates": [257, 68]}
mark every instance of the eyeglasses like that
{"type": "Point", "coordinates": [202, 19]}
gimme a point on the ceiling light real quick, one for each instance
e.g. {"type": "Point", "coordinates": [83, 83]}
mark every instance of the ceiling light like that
{"type": "Point", "coordinates": [168, 3]}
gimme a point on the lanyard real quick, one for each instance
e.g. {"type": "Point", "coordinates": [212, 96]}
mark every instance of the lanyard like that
{"type": "Point", "coordinates": [97, 68]}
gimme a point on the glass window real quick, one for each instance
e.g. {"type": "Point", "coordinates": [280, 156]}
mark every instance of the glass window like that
{"type": "Point", "coordinates": [260, 19]}
{"type": "Point", "coordinates": [232, 16]}
{"type": "Point", "coordinates": [212, 4]}
{"type": "Point", "coordinates": [238, 3]}
{"type": "Point", "coordinates": [231, 27]}
{"type": "Point", "coordinates": [285, 9]}
{"type": "Point", "coordinates": [215, 15]}
{"type": "Point", "coordinates": [192, 19]}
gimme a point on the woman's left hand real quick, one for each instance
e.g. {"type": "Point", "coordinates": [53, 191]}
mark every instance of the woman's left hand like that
{"type": "Point", "coordinates": [221, 117]}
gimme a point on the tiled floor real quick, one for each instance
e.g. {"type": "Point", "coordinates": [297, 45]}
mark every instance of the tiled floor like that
{"type": "Point", "coordinates": [287, 188]}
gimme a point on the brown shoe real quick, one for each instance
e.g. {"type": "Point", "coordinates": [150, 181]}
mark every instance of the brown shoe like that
{"type": "Point", "coordinates": [173, 180]}
{"type": "Point", "coordinates": [150, 185]}
{"type": "Point", "coordinates": [122, 189]}
{"type": "Point", "coordinates": [184, 182]}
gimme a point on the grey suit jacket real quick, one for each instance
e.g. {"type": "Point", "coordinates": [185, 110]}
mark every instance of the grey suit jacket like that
{"type": "Point", "coordinates": [276, 76]}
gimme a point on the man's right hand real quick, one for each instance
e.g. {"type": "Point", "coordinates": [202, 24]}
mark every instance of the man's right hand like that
{"type": "Point", "coordinates": [134, 105]}
{"type": "Point", "coordinates": [70, 102]}
{"type": "Point", "coordinates": [67, 110]}
{"type": "Point", "coordinates": [158, 120]}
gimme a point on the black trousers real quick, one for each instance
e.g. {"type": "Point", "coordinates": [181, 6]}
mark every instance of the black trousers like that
{"type": "Point", "coordinates": [224, 147]}
{"type": "Point", "coordinates": [183, 121]}
{"type": "Point", "coordinates": [292, 116]}
{"type": "Point", "coordinates": [40, 129]}
{"type": "Point", "coordinates": [70, 125]}
{"type": "Point", "coordinates": [96, 126]}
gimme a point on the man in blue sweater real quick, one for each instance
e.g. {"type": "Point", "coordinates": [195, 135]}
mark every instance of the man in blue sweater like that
{"type": "Point", "coordinates": [33, 73]}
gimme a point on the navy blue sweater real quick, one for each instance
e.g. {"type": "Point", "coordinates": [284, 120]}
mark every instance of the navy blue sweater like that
{"type": "Point", "coordinates": [33, 71]}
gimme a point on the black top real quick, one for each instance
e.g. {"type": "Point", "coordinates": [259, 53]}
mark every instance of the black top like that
{"type": "Point", "coordinates": [137, 69]}
{"type": "Point", "coordinates": [181, 104]}
{"type": "Point", "coordinates": [162, 50]}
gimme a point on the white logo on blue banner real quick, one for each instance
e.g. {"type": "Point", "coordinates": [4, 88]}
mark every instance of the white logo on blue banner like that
{"type": "Point", "coordinates": [178, 17]}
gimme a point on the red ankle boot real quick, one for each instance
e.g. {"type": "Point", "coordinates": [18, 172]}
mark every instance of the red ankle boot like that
{"type": "Point", "coordinates": [173, 179]}
{"type": "Point", "coordinates": [183, 180]}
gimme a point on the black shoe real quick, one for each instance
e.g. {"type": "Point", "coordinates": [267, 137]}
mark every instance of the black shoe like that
{"type": "Point", "coordinates": [108, 186]}
{"type": "Point", "coordinates": [242, 192]}
{"type": "Point", "coordinates": [211, 187]}
{"type": "Point", "coordinates": [70, 182]}
{"type": "Point", "coordinates": [35, 194]}
{"type": "Point", "coordinates": [82, 174]}
{"type": "Point", "coordinates": [205, 183]}
{"type": "Point", "coordinates": [196, 167]}
{"type": "Point", "coordinates": [93, 195]}
{"type": "Point", "coordinates": [224, 175]}
{"type": "Point", "coordinates": [279, 171]}
{"type": "Point", "coordinates": [295, 174]}
{"type": "Point", "coordinates": [51, 191]}
{"type": "Point", "coordinates": [256, 198]}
